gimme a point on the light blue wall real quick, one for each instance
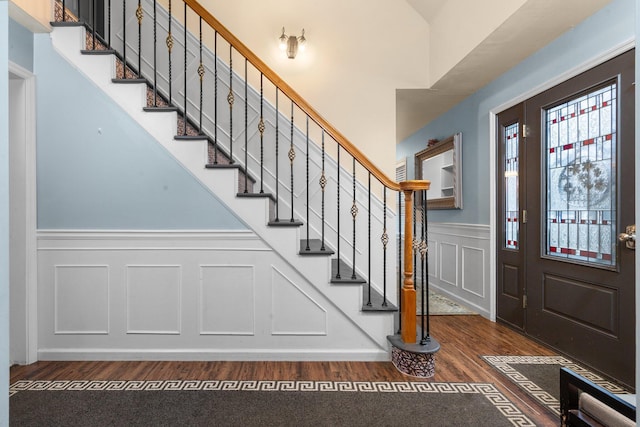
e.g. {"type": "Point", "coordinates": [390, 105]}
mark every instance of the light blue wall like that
{"type": "Point", "coordinates": [20, 45]}
{"type": "Point", "coordinates": [4, 213]}
{"type": "Point", "coordinates": [610, 27]}
{"type": "Point", "coordinates": [98, 169]}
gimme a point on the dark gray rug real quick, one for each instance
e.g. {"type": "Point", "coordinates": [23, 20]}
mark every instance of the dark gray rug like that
{"type": "Point", "coordinates": [539, 376]}
{"type": "Point", "coordinates": [259, 403]}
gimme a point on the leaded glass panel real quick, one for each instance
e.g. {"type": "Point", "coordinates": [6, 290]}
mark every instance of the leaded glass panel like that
{"type": "Point", "coordinates": [511, 202]}
{"type": "Point", "coordinates": [580, 153]}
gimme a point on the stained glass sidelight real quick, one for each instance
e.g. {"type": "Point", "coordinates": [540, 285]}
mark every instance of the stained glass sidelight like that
{"type": "Point", "coordinates": [581, 178]}
{"type": "Point", "coordinates": [511, 201]}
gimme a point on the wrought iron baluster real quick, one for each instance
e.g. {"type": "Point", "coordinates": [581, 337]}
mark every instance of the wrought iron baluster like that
{"type": "Point", "coordinates": [215, 97]}
{"type": "Point", "coordinates": [277, 218]}
{"type": "Point", "coordinates": [155, 54]}
{"type": "Point", "coordinates": [424, 252]}
{"type": "Point", "coordinates": [184, 118]}
{"type": "Point", "coordinates": [109, 23]}
{"type": "Point", "coordinates": [400, 264]}
{"type": "Point", "coordinates": [170, 48]}
{"type": "Point", "coordinates": [385, 240]}
{"type": "Point", "coordinates": [308, 248]}
{"type": "Point", "coordinates": [369, 240]}
{"type": "Point", "coordinates": [415, 244]}
{"type": "Point", "coordinates": [246, 127]}
{"type": "Point", "coordinates": [139, 16]}
{"type": "Point", "coordinates": [64, 11]}
{"type": "Point", "coordinates": [201, 72]}
{"type": "Point", "coordinates": [292, 155]}
{"type": "Point", "coordinates": [323, 184]}
{"type": "Point", "coordinates": [338, 215]}
{"type": "Point", "coordinates": [230, 99]}
{"type": "Point", "coordinates": [354, 214]}
{"type": "Point", "coordinates": [93, 25]}
{"type": "Point", "coordinates": [261, 130]}
{"type": "Point", "coordinates": [124, 37]}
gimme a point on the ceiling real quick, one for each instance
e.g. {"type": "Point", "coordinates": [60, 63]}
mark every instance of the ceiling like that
{"type": "Point", "coordinates": [506, 42]}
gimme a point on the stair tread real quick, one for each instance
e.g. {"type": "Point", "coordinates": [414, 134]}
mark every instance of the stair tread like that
{"type": "Point", "coordinates": [285, 223]}
{"type": "Point", "coordinates": [130, 81]}
{"type": "Point", "coordinates": [315, 248]}
{"type": "Point", "coordinates": [256, 195]}
{"type": "Point", "coordinates": [160, 109]}
{"type": "Point", "coordinates": [98, 52]}
{"type": "Point", "coordinates": [66, 24]}
{"type": "Point", "coordinates": [191, 137]}
{"type": "Point", "coordinates": [346, 272]}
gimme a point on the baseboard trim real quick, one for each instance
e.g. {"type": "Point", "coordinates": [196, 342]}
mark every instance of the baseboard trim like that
{"type": "Point", "coordinates": [237, 355]}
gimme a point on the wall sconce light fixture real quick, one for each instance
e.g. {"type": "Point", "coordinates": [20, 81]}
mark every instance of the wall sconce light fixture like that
{"type": "Point", "coordinates": [291, 44]}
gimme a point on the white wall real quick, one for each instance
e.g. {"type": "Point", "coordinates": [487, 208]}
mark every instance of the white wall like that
{"type": "Point", "coordinates": [352, 84]}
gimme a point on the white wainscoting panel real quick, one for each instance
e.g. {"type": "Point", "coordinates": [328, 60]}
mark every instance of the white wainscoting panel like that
{"type": "Point", "coordinates": [153, 299]}
{"type": "Point", "coordinates": [81, 299]}
{"type": "Point", "coordinates": [195, 295]}
{"type": "Point", "coordinates": [473, 260]}
{"type": "Point", "coordinates": [227, 300]}
{"type": "Point", "coordinates": [448, 263]}
{"type": "Point", "coordinates": [462, 260]}
{"type": "Point", "coordinates": [294, 312]}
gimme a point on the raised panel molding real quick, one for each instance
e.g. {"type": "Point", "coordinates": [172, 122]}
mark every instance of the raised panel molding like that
{"type": "Point", "coordinates": [219, 286]}
{"type": "Point", "coordinates": [449, 263]}
{"type": "Point", "coordinates": [460, 267]}
{"type": "Point", "coordinates": [473, 262]}
{"type": "Point", "coordinates": [153, 299]}
{"type": "Point", "coordinates": [194, 295]}
{"type": "Point", "coordinates": [293, 311]}
{"type": "Point", "coordinates": [81, 299]}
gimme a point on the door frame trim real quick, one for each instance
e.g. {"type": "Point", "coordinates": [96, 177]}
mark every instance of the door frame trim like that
{"type": "Point", "coordinates": [493, 147]}
{"type": "Point", "coordinates": [31, 300]}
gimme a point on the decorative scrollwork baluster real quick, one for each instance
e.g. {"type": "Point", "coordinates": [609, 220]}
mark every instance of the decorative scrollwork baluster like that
{"type": "Point", "coordinates": [184, 74]}
{"type": "Point", "coordinates": [354, 214]}
{"type": "Point", "coordinates": [169, 42]}
{"type": "Point", "coordinates": [261, 129]}
{"type": "Point", "coordinates": [277, 213]}
{"type": "Point", "coordinates": [201, 72]}
{"type": "Point", "coordinates": [230, 99]}
{"type": "Point", "coordinates": [292, 155]}
{"type": "Point", "coordinates": [246, 129]}
{"type": "Point", "coordinates": [323, 184]}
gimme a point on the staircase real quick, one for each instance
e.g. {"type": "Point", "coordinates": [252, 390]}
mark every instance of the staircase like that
{"type": "Point", "coordinates": [263, 151]}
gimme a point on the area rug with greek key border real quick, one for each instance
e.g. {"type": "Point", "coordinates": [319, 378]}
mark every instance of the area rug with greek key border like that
{"type": "Point", "coordinates": [260, 403]}
{"type": "Point", "coordinates": [539, 376]}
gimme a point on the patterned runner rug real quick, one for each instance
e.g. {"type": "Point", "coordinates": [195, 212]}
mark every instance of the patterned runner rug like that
{"type": "Point", "coordinates": [539, 376]}
{"type": "Point", "coordinates": [260, 403]}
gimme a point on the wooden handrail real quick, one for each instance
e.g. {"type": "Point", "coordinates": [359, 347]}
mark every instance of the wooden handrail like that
{"type": "Point", "coordinates": [292, 94]}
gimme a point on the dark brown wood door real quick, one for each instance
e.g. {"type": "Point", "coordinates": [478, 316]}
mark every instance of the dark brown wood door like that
{"type": "Point", "coordinates": [580, 280]}
{"type": "Point", "coordinates": [511, 234]}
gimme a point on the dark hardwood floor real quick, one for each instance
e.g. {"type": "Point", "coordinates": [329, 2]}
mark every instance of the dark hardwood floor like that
{"type": "Point", "coordinates": [463, 340]}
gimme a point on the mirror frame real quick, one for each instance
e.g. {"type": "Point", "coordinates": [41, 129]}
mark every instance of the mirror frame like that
{"type": "Point", "coordinates": [453, 143]}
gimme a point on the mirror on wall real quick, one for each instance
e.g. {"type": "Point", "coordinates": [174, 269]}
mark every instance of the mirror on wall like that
{"type": "Point", "coordinates": [441, 163]}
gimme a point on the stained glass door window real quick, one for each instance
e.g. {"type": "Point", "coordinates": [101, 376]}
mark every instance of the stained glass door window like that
{"type": "Point", "coordinates": [580, 153]}
{"type": "Point", "coordinates": [511, 202]}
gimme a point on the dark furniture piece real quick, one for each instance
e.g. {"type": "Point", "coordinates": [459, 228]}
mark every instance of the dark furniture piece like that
{"type": "Point", "coordinates": [583, 403]}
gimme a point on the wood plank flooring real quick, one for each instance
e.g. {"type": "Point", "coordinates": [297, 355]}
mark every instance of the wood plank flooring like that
{"type": "Point", "coordinates": [463, 340]}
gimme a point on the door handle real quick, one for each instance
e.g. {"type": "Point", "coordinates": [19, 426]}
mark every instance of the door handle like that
{"type": "Point", "coordinates": [629, 238]}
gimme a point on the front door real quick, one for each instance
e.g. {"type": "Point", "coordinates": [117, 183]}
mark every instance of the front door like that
{"type": "Point", "coordinates": [577, 195]}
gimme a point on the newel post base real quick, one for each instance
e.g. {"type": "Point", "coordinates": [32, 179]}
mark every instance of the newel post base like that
{"type": "Point", "coordinates": [415, 360]}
